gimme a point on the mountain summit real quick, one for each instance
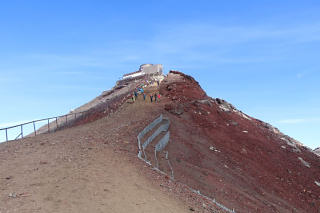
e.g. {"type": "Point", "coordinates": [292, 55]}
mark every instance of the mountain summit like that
{"type": "Point", "coordinates": [205, 154]}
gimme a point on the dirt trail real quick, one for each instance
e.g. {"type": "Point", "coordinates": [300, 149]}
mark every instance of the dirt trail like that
{"type": "Point", "coordinates": [82, 169]}
{"type": "Point", "coordinates": [91, 168]}
{"type": "Point", "coordinates": [243, 163]}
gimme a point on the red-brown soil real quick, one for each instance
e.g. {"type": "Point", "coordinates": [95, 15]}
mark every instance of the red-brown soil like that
{"type": "Point", "coordinates": [241, 162]}
{"type": "Point", "coordinates": [250, 166]}
{"type": "Point", "coordinates": [92, 167]}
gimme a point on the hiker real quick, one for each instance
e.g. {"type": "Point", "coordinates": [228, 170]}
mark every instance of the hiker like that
{"type": "Point", "coordinates": [158, 82]}
{"type": "Point", "coordinates": [151, 98]}
{"type": "Point", "coordinates": [155, 97]}
{"type": "Point", "coordinates": [135, 94]}
{"type": "Point", "coordinates": [159, 96]}
{"type": "Point", "coordinates": [132, 98]}
{"type": "Point", "coordinates": [144, 96]}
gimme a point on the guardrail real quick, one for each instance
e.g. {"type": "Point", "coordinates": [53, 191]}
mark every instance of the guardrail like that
{"type": "Point", "coordinates": [162, 143]}
{"type": "Point", "coordinates": [54, 121]}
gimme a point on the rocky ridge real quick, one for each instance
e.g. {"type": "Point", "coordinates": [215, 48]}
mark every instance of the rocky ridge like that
{"type": "Point", "coordinates": [245, 163]}
{"type": "Point", "coordinates": [215, 149]}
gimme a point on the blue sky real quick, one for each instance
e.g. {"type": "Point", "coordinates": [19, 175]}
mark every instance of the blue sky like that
{"type": "Point", "coordinates": [262, 56]}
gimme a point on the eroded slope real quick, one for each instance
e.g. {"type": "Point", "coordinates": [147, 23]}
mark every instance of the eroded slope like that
{"type": "Point", "coordinates": [244, 163]}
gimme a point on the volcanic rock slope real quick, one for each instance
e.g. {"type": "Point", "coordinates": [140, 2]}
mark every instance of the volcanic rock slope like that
{"type": "Point", "coordinates": [242, 162]}
{"type": "Point", "coordinates": [92, 166]}
{"type": "Point", "coordinates": [239, 161]}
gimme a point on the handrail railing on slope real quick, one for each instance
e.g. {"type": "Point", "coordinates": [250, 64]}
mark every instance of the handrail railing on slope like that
{"type": "Point", "coordinates": [120, 98]}
{"type": "Point", "coordinates": [159, 146]}
{"type": "Point", "coordinates": [40, 120]}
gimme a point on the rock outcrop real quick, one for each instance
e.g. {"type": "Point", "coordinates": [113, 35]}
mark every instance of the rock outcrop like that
{"type": "Point", "coordinates": [215, 149]}
{"type": "Point", "coordinates": [243, 162]}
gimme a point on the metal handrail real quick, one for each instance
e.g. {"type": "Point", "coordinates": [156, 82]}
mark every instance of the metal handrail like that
{"type": "Point", "coordinates": [18, 136]}
{"type": "Point", "coordinates": [39, 120]}
{"type": "Point", "coordinates": [123, 96]}
{"type": "Point", "coordinates": [44, 119]}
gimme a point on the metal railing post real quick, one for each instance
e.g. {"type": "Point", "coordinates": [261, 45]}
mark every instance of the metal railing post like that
{"type": "Point", "coordinates": [34, 128]}
{"type": "Point", "coordinates": [21, 135]}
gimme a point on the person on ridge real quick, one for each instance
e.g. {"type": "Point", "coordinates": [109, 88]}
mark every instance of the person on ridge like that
{"type": "Point", "coordinates": [151, 98]}
{"type": "Point", "coordinates": [155, 97]}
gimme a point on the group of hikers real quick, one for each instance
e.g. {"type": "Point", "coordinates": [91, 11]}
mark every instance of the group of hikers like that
{"type": "Point", "coordinates": [154, 97]}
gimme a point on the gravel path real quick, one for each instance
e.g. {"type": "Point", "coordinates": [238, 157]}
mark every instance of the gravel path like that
{"type": "Point", "coordinates": [89, 168]}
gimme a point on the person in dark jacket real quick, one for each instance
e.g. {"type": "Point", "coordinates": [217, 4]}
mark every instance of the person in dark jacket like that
{"type": "Point", "coordinates": [151, 98]}
{"type": "Point", "coordinates": [155, 97]}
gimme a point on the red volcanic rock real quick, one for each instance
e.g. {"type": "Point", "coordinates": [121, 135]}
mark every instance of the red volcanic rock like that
{"type": "Point", "coordinates": [180, 87]}
{"type": "Point", "coordinates": [240, 161]}
{"type": "Point", "coordinates": [177, 109]}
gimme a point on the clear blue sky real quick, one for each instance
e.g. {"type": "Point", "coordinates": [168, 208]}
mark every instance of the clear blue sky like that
{"type": "Point", "coordinates": [262, 56]}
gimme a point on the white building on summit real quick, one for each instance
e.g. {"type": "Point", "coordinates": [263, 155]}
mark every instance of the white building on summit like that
{"type": "Point", "coordinates": [145, 69]}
